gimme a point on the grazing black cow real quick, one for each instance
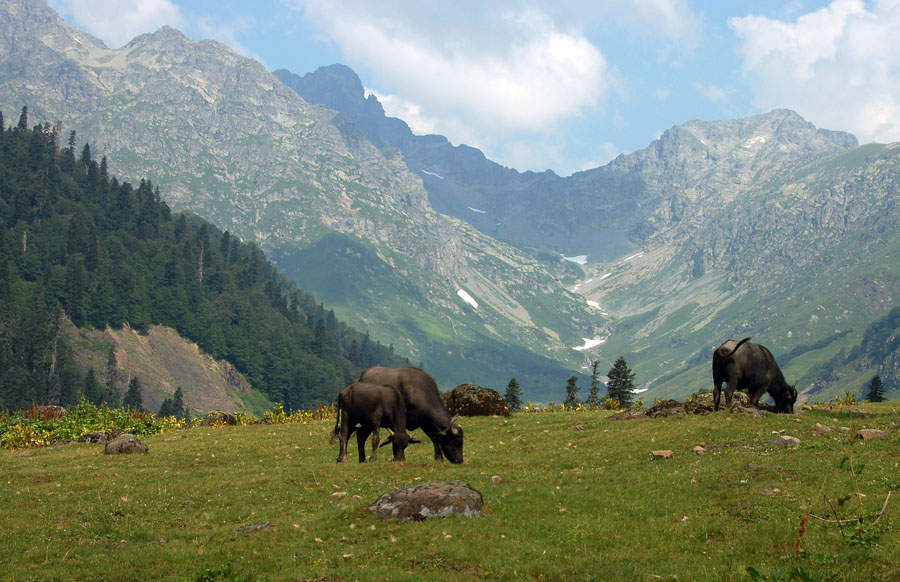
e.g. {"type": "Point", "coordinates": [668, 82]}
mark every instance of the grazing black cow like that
{"type": "Point", "coordinates": [371, 406]}
{"type": "Point", "coordinates": [424, 408]}
{"type": "Point", "coordinates": [750, 367]}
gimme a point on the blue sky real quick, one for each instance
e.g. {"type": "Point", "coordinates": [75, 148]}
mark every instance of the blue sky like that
{"type": "Point", "coordinates": [564, 84]}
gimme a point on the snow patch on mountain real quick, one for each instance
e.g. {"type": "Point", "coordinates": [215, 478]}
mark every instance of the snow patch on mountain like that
{"type": "Point", "coordinates": [580, 259]}
{"type": "Point", "coordinates": [589, 343]}
{"type": "Point", "coordinates": [467, 298]}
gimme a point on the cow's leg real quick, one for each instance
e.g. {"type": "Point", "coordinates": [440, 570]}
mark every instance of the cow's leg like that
{"type": "Point", "coordinates": [717, 391]}
{"type": "Point", "coordinates": [361, 435]}
{"type": "Point", "coordinates": [730, 387]}
{"type": "Point", "coordinates": [376, 438]}
{"type": "Point", "coordinates": [343, 437]}
{"type": "Point", "coordinates": [755, 395]}
{"type": "Point", "coordinates": [438, 455]}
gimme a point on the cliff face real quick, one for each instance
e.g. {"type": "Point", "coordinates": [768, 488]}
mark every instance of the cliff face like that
{"type": "Point", "coordinates": [163, 362]}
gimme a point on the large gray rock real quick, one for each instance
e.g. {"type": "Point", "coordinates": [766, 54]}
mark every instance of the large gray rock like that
{"type": "Point", "coordinates": [471, 400]}
{"type": "Point", "coordinates": [125, 443]}
{"type": "Point", "coordinates": [434, 499]}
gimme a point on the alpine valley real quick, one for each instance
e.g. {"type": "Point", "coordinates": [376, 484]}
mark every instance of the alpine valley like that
{"type": "Point", "coordinates": [764, 226]}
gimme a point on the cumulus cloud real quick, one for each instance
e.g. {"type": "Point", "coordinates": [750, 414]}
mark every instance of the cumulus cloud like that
{"type": "Point", "coordinates": [501, 69]}
{"type": "Point", "coordinates": [117, 22]}
{"type": "Point", "coordinates": [509, 77]}
{"type": "Point", "coordinates": [838, 66]}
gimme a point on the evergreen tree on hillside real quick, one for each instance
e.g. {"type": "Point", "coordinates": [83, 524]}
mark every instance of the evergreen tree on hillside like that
{"type": "Point", "coordinates": [572, 389]}
{"type": "Point", "coordinates": [174, 406]}
{"type": "Point", "coordinates": [593, 399]}
{"type": "Point", "coordinates": [133, 399]}
{"type": "Point", "coordinates": [178, 403]}
{"type": "Point", "coordinates": [621, 383]}
{"type": "Point", "coordinates": [513, 395]}
{"type": "Point", "coordinates": [876, 390]}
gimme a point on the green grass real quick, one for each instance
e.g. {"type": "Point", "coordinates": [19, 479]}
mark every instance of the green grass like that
{"type": "Point", "coordinates": [572, 503]}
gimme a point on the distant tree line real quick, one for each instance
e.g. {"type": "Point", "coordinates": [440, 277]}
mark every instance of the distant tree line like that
{"type": "Point", "coordinates": [76, 243]}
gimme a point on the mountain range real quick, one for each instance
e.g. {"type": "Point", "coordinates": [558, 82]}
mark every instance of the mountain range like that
{"type": "Point", "coordinates": [764, 226]}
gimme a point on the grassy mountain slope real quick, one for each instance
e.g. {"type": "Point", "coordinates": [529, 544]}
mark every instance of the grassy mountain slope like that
{"type": "Point", "coordinates": [762, 226]}
{"type": "Point", "coordinates": [225, 139]}
{"type": "Point", "coordinates": [803, 261]}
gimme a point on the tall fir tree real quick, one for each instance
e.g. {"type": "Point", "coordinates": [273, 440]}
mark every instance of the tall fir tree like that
{"type": "Point", "coordinates": [133, 399]}
{"type": "Point", "coordinates": [621, 383]}
{"type": "Point", "coordinates": [91, 388]}
{"type": "Point", "coordinates": [111, 393]}
{"type": "Point", "coordinates": [572, 389]}
{"type": "Point", "coordinates": [178, 404]}
{"type": "Point", "coordinates": [513, 395]}
{"type": "Point", "coordinates": [593, 399]}
{"type": "Point", "coordinates": [876, 390]}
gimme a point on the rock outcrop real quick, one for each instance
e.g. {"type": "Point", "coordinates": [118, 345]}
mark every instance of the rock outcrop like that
{"type": "Point", "coordinates": [471, 400]}
{"type": "Point", "coordinates": [429, 500]}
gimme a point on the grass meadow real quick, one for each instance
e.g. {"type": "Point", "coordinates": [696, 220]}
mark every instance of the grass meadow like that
{"type": "Point", "coordinates": [579, 497]}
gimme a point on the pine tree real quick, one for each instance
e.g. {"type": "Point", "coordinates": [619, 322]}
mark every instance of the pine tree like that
{"type": "Point", "coordinates": [621, 382]}
{"type": "Point", "coordinates": [165, 409]}
{"type": "Point", "coordinates": [23, 120]}
{"type": "Point", "coordinates": [178, 404]}
{"type": "Point", "coordinates": [513, 396]}
{"type": "Point", "coordinates": [876, 390]}
{"type": "Point", "coordinates": [91, 388]}
{"type": "Point", "coordinates": [593, 399]}
{"type": "Point", "coordinates": [133, 399]}
{"type": "Point", "coordinates": [111, 393]}
{"type": "Point", "coordinates": [571, 393]}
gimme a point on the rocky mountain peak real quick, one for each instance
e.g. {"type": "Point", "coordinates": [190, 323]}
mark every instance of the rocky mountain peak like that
{"type": "Point", "coordinates": [777, 133]}
{"type": "Point", "coordinates": [23, 21]}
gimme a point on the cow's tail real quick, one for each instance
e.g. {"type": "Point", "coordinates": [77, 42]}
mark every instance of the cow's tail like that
{"type": "Point", "coordinates": [739, 344]}
{"type": "Point", "coordinates": [337, 423]}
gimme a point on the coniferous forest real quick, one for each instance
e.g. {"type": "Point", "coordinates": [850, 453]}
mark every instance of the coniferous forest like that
{"type": "Point", "coordinates": [79, 245]}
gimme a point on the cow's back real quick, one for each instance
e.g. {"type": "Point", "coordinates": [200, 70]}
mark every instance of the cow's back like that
{"type": "Point", "coordinates": [424, 407]}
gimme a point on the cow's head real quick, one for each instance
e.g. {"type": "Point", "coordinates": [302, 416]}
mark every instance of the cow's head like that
{"type": "Point", "coordinates": [451, 442]}
{"type": "Point", "coordinates": [399, 441]}
{"type": "Point", "coordinates": [785, 399]}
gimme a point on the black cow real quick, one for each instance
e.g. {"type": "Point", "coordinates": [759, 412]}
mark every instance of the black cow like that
{"type": "Point", "coordinates": [750, 367]}
{"type": "Point", "coordinates": [371, 406]}
{"type": "Point", "coordinates": [424, 408]}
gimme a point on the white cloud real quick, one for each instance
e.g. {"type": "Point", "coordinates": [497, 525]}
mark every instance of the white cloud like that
{"type": "Point", "coordinates": [500, 70]}
{"type": "Point", "coordinates": [838, 66]}
{"type": "Point", "coordinates": [497, 76]}
{"type": "Point", "coordinates": [711, 92]}
{"type": "Point", "coordinates": [116, 22]}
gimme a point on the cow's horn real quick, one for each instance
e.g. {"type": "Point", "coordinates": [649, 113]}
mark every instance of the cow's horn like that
{"type": "Point", "coordinates": [452, 420]}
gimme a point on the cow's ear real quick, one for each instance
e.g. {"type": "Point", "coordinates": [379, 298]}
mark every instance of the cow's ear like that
{"type": "Point", "coordinates": [455, 430]}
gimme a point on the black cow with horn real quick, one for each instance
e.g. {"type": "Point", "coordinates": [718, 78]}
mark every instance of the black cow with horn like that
{"type": "Point", "coordinates": [746, 366]}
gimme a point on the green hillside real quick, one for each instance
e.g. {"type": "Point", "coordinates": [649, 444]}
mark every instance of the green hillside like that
{"type": "Point", "coordinates": [79, 246]}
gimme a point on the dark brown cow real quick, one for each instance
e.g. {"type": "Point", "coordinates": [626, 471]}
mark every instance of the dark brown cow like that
{"type": "Point", "coordinates": [751, 367]}
{"type": "Point", "coordinates": [371, 406]}
{"type": "Point", "coordinates": [424, 408]}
